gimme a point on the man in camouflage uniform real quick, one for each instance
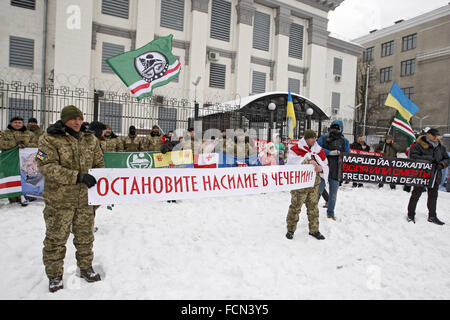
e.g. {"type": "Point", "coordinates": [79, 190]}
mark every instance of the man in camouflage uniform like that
{"type": "Point", "coordinates": [153, 142]}
{"type": "Point", "coordinates": [307, 196]}
{"type": "Point", "coordinates": [112, 141]}
{"type": "Point", "coordinates": [132, 143]}
{"type": "Point", "coordinates": [65, 155]}
{"type": "Point", "coordinates": [17, 135]}
{"type": "Point", "coordinates": [189, 142]}
{"type": "Point", "coordinates": [33, 127]}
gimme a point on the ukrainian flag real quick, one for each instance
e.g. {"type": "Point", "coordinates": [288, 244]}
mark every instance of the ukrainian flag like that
{"type": "Point", "coordinates": [397, 100]}
{"type": "Point", "coordinates": [290, 117]}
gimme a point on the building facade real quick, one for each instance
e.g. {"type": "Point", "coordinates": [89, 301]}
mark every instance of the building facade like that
{"type": "Point", "coordinates": [228, 49]}
{"type": "Point", "coordinates": [415, 53]}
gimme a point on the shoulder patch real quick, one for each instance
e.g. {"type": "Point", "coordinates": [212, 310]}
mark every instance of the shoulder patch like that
{"type": "Point", "coordinates": [40, 155]}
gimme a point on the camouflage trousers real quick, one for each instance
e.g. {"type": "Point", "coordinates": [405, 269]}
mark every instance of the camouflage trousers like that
{"type": "Point", "coordinates": [310, 197]}
{"type": "Point", "coordinates": [58, 222]}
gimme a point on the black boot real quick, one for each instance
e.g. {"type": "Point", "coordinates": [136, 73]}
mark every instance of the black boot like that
{"type": "Point", "coordinates": [55, 284]}
{"type": "Point", "coordinates": [290, 235]}
{"type": "Point", "coordinates": [435, 220]}
{"type": "Point", "coordinates": [90, 275]}
{"type": "Point", "coordinates": [410, 219]}
{"type": "Point", "coordinates": [317, 235]}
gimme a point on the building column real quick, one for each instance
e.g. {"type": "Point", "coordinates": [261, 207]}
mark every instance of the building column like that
{"type": "Point", "coordinates": [73, 33]}
{"type": "Point", "coordinates": [317, 53]}
{"type": "Point", "coordinates": [283, 22]}
{"type": "Point", "coordinates": [197, 54]}
{"type": "Point", "coordinates": [244, 36]}
{"type": "Point", "coordinates": [145, 30]}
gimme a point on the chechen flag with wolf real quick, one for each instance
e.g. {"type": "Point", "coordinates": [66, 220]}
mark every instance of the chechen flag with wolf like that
{"type": "Point", "coordinates": [146, 68]}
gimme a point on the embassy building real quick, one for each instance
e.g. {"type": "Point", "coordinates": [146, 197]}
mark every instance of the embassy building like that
{"type": "Point", "coordinates": [228, 49]}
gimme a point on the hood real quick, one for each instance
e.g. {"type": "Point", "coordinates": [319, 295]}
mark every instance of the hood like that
{"type": "Point", "coordinates": [424, 143]}
{"type": "Point", "coordinates": [340, 123]}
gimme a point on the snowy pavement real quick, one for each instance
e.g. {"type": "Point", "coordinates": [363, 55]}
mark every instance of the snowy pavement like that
{"type": "Point", "coordinates": [235, 248]}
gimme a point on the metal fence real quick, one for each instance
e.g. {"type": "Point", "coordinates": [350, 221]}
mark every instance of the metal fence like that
{"type": "Point", "coordinates": [121, 110]}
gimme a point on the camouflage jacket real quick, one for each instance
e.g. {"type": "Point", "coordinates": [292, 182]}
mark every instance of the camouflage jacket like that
{"type": "Point", "coordinates": [11, 137]}
{"type": "Point", "coordinates": [112, 144]}
{"type": "Point", "coordinates": [36, 131]}
{"type": "Point", "coordinates": [132, 143]}
{"type": "Point", "coordinates": [60, 158]}
{"type": "Point", "coordinates": [152, 143]}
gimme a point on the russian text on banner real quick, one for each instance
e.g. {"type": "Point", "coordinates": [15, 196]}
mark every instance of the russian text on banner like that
{"type": "Point", "coordinates": [375, 169]}
{"type": "Point", "coordinates": [10, 184]}
{"type": "Point", "coordinates": [115, 186]}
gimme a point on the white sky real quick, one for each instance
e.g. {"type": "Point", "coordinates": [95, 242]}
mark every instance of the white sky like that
{"type": "Point", "coordinates": [355, 18]}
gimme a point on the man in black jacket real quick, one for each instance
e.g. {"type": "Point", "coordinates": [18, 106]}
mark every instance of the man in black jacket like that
{"type": "Point", "coordinates": [429, 148]}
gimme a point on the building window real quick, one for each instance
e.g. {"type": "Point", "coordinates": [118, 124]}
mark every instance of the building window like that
{"type": "Point", "coordinates": [335, 100]}
{"type": "Point", "coordinates": [217, 73]}
{"type": "Point", "coordinates": [409, 42]}
{"type": "Point", "coordinates": [21, 52]}
{"type": "Point", "coordinates": [409, 93]}
{"type": "Point", "coordinates": [111, 113]}
{"type": "Point", "coordinates": [110, 50]}
{"type": "Point", "coordinates": [20, 108]}
{"type": "Point", "coordinates": [386, 74]}
{"type": "Point", "coordinates": [261, 31]}
{"type": "Point", "coordinates": [294, 85]}
{"type": "Point", "coordinates": [383, 98]}
{"type": "Point", "coordinates": [172, 14]}
{"type": "Point", "coordinates": [337, 67]}
{"type": "Point", "coordinates": [408, 67]}
{"type": "Point", "coordinates": [387, 48]}
{"type": "Point", "coordinates": [258, 82]}
{"type": "Point", "coordinates": [368, 54]}
{"type": "Point", "coordinates": [296, 41]}
{"type": "Point", "coordinates": [117, 8]}
{"type": "Point", "coordinates": [220, 20]}
{"type": "Point", "coordinates": [27, 4]}
{"type": "Point", "coordinates": [167, 118]}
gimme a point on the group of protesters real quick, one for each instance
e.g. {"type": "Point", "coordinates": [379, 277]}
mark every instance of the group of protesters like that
{"type": "Point", "coordinates": [70, 147]}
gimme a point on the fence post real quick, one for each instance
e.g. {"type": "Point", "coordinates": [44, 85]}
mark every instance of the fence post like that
{"type": "Point", "coordinates": [96, 95]}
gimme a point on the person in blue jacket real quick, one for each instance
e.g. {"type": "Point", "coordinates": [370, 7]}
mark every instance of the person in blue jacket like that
{"type": "Point", "coordinates": [334, 143]}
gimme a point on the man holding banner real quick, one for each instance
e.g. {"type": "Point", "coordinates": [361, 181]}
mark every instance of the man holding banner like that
{"type": "Point", "coordinates": [429, 148]}
{"type": "Point", "coordinates": [307, 151]}
{"type": "Point", "coordinates": [65, 154]}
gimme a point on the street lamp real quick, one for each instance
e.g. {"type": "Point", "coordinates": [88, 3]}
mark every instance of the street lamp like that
{"type": "Point", "coordinates": [421, 119]}
{"type": "Point", "coordinates": [195, 83]}
{"type": "Point", "coordinates": [309, 113]}
{"type": "Point", "coordinates": [272, 107]}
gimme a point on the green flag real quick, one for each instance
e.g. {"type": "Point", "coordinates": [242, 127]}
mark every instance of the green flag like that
{"type": "Point", "coordinates": [10, 184]}
{"type": "Point", "coordinates": [134, 160]}
{"type": "Point", "coordinates": [401, 124]}
{"type": "Point", "coordinates": [146, 68]}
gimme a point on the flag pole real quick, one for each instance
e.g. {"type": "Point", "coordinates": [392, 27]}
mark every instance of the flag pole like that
{"type": "Point", "coordinates": [366, 100]}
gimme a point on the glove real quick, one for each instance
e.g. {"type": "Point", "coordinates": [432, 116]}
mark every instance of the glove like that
{"type": "Point", "coordinates": [334, 153]}
{"type": "Point", "coordinates": [20, 144]}
{"type": "Point", "coordinates": [87, 179]}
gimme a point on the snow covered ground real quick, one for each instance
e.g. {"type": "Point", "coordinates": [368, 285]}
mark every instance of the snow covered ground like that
{"type": "Point", "coordinates": [235, 248]}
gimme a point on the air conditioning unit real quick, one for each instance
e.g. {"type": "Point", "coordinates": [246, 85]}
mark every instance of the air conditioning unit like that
{"type": "Point", "coordinates": [159, 99]}
{"type": "Point", "coordinates": [337, 77]}
{"type": "Point", "coordinates": [213, 56]}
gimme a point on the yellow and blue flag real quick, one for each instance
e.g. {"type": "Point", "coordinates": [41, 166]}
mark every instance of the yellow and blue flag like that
{"type": "Point", "coordinates": [396, 99]}
{"type": "Point", "coordinates": [290, 117]}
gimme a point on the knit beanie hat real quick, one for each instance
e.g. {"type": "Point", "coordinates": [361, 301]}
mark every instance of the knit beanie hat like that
{"type": "Point", "coordinates": [310, 134]}
{"type": "Point", "coordinates": [17, 118]}
{"type": "Point", "coordinates": [70, 112]}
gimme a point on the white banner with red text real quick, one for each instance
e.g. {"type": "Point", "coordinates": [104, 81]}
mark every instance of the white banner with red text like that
{"type": "Point", "coordinates": [116, 186]}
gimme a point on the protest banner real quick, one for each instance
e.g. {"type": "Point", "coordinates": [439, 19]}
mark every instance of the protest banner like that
{"type": "Point", "coordinates": [31, 178]}
{"type": "Point", "coordinates": [116, 186]}
{"type": "Point", "coordinates": [365, 152]}
{"type": "Point", "coordinates": [375, 169]}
